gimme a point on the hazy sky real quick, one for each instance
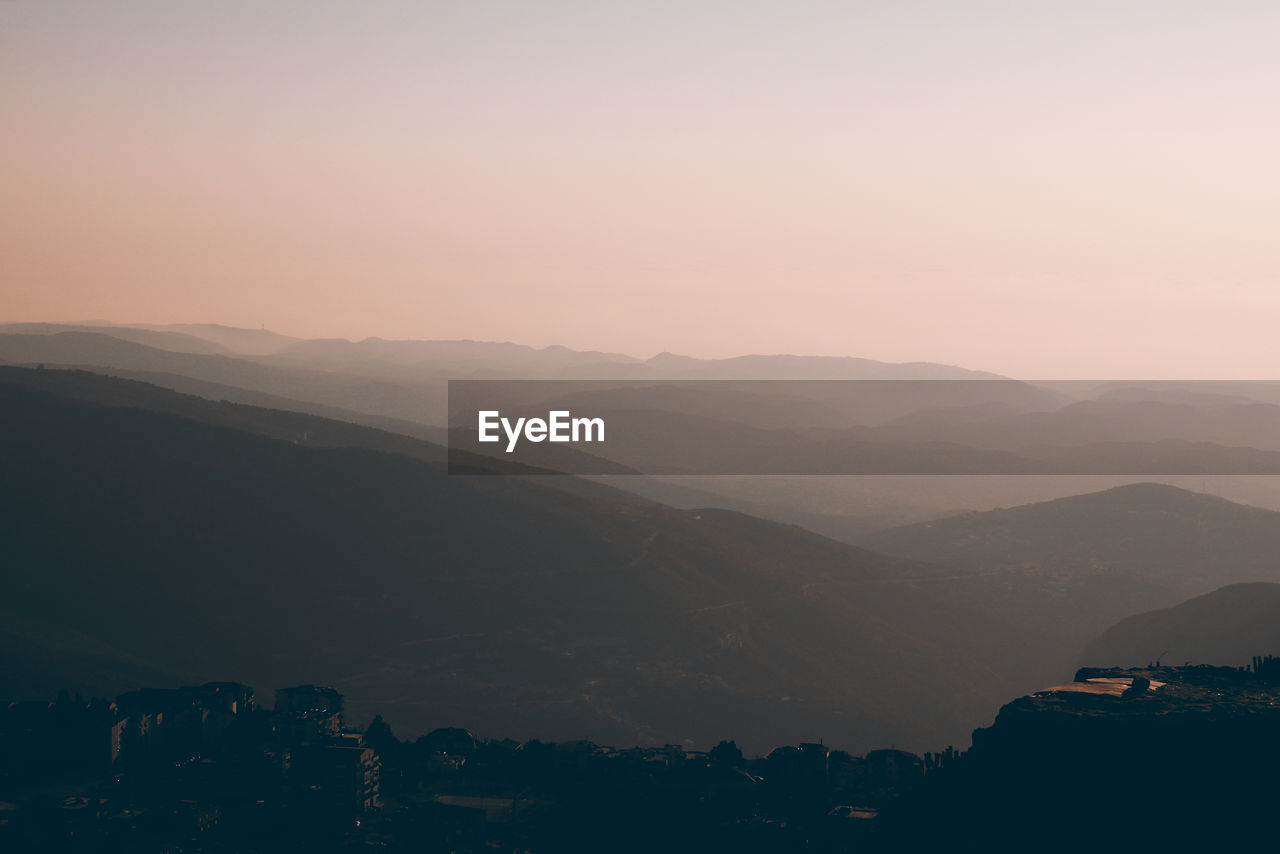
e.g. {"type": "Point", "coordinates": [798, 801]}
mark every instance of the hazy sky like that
{"type": "Point", "coordinates": [1037, 188]}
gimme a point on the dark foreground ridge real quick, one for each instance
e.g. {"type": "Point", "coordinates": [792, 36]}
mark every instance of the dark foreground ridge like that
{"type": "Point", "coordinates": [1144, 759]}
{"type": "Point", "coordinates": [1117, 759]}
{"type": "Point", "coordinates": [206, 769]}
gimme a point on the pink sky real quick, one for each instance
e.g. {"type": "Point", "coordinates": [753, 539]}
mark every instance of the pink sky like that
{"type": "Point", "coordinates": [1038, 189]}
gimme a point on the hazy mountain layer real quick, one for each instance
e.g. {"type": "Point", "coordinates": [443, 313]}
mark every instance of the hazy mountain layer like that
{"type": "Point", "coordinates": [426, 359]}
{"type": "Point", "coordinates": [1184, 539]}
{"type": "Point", "coordinates": [181, 546]}
{"type": "Point", "coordinates": [1066, 570]}
{"type": "Point", "coordinates": [422, 403]}
{"type": "Point", "coordinates": [1228, 626]}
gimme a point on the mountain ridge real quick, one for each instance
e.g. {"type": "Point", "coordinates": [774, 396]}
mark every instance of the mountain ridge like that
{"type": "Point", "coordinates": [1225, 627]}
{"type": "Point", "coordinates": [494, 601]}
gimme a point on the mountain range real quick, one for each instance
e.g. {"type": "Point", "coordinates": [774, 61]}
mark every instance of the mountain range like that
{"type": "Point", "coordinates": [400, 386]}
{"type": "Point", "coordinates": [234, 491]}
{"type": "Point", "coordinates": [141, 527]}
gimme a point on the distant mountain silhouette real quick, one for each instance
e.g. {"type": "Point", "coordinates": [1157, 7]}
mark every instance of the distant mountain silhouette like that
{"type": "Point", "coordinates": [161, 339]}
{"type": "Point", "coordinates": [1070, 568]}
{"type": "Point", "coordinates": [422, 403]}
{"type": "Point", "coordinates": [1228, 626]}
{"type": "Point", "coordinates": [1118, 417]}
{"type": "Point", "coordinates": [291, 426]}
{"type": "Point", "coordinates": [247, 342]}
{"type": "Point", "coordinates": [787, 367]}
{"type": "Point", "coordinates": [1185, 539]}
{"type": "Point", "coordinates": [449, 359]}
{"type": "Point", "coordinates": [927, 425]}
{"type": "Point", "coordinates": [420, 360]}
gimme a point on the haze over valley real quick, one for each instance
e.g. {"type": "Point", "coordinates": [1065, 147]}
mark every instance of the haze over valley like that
{"type": "Point", "coordinates": [628, 609]}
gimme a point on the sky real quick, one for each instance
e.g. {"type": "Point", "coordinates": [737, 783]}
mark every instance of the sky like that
{"type": "Point", "coordinates": [1041, 189]}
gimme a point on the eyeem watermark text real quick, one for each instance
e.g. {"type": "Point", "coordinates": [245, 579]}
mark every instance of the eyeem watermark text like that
{"type": "Point", "coordinates": [558, 426]}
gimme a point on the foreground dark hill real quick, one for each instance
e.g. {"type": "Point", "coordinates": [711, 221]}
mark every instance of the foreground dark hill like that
{"type": "Point", "coordinates": [1228, 626]}
{"type": "Point", "coordinates": [1145, 759]}
{"type": "Point", "coordinates": [167, 545]}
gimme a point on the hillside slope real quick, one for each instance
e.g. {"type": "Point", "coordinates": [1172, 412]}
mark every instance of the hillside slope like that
{"type": "Point", "coordinates": [208, 552]}
{"type": "Point", "coordinates": [1185, 540]}
{"type": "Point", "coordinates": [1228, 626]}
{"type": "Point", "coordinates": [1066, 570]}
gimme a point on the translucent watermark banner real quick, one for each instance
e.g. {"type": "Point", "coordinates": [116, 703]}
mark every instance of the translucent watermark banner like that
{"type": "Point", "coordinates": [865, 427]}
